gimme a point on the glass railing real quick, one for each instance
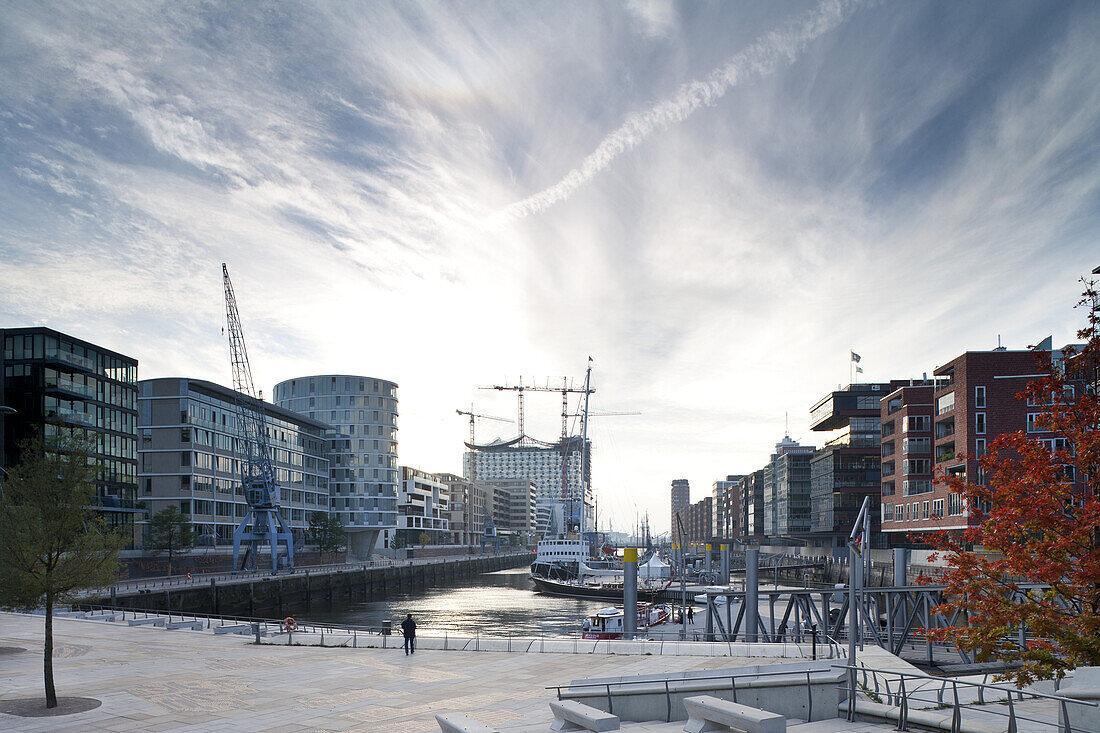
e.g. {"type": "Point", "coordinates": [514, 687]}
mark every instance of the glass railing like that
{"type": "Point", "coordinates": [65, 413]}
{"type": "Point", "coordinates": [80, 361]}
{"type": "Point", "coordinates": [71, 386]}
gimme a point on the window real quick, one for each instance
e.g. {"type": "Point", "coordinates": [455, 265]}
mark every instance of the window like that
{"type": "Point", "coordinates": [899, 513]}
{"type": "Point", "coordinates": [917, 465]}
{"type": "Point", "coordinates": [917, 422]}
{"type": "Point", "coordinates": [1033, 422]}
{"type": "Point", "coordinates": [954, 505]}
{"type": "Point", "coordinates": [946, 403]}
{"type": "Point", "coordinates": [979, 397]}
{"type": "Point", "coordinates": [185, 458]}
{"type": "Point", "coordinates": [888, 488]}
{"type": "Point", "coordinates": [937, 508]}
{"type": "Point", "coordinates": [979, 423]}
{"type": "Point", "coordinates": [924, 510]}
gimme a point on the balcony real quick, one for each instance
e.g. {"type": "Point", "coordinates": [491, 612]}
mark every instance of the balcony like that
{"type": "Point", "coordinates": [68, 415]}
{"type": "Point", "coordinates": [71, 387]}
{"type": "Point", "coordinates": [81, 362]}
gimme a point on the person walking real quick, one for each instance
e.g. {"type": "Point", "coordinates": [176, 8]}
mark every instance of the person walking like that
{"type": "Point", "coordinates": [408, 630]}
{"type": "Point", "coordinates": [691, 614]}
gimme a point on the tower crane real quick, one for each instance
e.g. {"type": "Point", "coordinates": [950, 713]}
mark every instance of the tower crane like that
{"type": "Point", "coordinates": [473, 416]}
{"type": "Point", "coordinates": [263, 522]}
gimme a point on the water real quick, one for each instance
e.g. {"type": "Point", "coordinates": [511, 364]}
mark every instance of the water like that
{"type": "Point", "coordinates": [500, 603]}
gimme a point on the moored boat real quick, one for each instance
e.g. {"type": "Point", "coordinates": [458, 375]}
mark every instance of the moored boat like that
{"type": "Point", "coordinates": [612, 591]}
{"type": "Point", "coordinates": [608, 622]}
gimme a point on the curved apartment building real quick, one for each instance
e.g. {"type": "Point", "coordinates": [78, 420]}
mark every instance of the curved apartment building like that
{"type": "Point", "coordinates": [362, 449]}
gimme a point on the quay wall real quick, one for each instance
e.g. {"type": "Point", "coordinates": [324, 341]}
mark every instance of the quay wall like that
{"type": "Point", "coordinates": [281, 596]}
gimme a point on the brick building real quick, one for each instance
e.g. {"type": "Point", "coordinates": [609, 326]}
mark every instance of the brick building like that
{"type": "Point", "coordinates": [726, 503]}
{"type": "Point", "coordinates": [943, 429]}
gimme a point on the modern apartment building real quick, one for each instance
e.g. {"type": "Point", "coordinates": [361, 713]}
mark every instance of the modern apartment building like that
{"type": "Point", "coordinates": [681, 499]}
{"type": "Point", "coordinates": [697, 521]}
{"type": "Point", "coordinates": [787, 492]}
{"type": "Point", "coordinates": [63, 388]}
{"type": "Point", "coordinates": [726, 496]}
{"type": "Point", "coordinates": [973, 402]}
{"type": "Point", "coordinates": [362, 446]}
{"type": "Point", "coordinates": [514, 507]}
{"type": "Point", "coordinates": [752, 506]}
{"type": "Point", "coordinates": [906, 418]}
{"type": "Point", "coordinates": [190, 456]}
{"type": "Point", "coordinates": [422, 507]}
{"type": "Point", "coordinates": [542, 464]}
{"type": "Point", "coordinates": [845, 470]}
{"type": "Point", "coordinates": [469, 505]}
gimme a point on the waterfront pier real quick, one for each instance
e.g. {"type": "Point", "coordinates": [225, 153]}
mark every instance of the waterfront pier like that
{"type": "Point", "coordinates": [255, 595]}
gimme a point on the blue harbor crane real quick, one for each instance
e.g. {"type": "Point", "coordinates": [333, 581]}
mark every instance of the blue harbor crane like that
{"type": "Point", "coordinates": [263, 523]}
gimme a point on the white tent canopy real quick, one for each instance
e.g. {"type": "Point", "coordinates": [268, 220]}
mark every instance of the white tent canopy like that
{"type": "Point", "coordinates": [654, 567]}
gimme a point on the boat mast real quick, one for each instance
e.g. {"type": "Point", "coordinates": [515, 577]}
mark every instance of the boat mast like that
{"type": "Point", "coordinates": [584, 441]}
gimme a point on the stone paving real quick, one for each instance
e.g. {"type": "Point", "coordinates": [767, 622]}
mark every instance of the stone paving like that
{"type": "Point", "coordinates": [150, 679]}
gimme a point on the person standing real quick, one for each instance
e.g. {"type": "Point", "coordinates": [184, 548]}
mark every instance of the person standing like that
{"type": "Point", "coordinates": [408, 630]}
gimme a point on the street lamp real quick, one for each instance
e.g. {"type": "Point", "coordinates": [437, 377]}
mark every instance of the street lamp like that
{"type": "Point", "coordinates": [4, 411]}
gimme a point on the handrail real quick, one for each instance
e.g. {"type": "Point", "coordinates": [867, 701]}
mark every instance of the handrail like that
{"type": "Point", "coordinates": [901, 698]}
{"type": "Point", "coordinates": [953, 680]}
{"type": "Point", "coordinates": [626, 683]}
{"type": "Point", "coordinates": [269, 624]}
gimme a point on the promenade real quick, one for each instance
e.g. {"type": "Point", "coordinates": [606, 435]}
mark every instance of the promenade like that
{"type": "Point", "coordinates": [149, 679]}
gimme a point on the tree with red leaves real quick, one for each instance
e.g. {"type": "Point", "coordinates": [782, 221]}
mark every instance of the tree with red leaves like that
{"type": "Point", "coordinates": [1037, 531]}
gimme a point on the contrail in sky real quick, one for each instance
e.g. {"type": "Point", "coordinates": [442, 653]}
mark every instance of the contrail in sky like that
{"type": "Point", "coordinates": [765, 55]}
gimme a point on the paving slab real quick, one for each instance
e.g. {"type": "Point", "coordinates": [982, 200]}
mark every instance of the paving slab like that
{"type": "Point", "coordinates": [150, 679]}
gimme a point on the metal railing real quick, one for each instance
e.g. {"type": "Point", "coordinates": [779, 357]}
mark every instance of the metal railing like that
{"type": "Point", "coordinates": [931, 691]}
{"type": "Point", "coordinates": [620, 688]}
{"type": "Point", "coordinates": [452, 639]}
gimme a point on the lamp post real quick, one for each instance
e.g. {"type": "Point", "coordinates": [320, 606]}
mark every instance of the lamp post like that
{"type": "Point", "coordinates": [4, 412]}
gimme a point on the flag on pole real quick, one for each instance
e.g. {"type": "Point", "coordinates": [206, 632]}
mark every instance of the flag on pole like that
{"type": "Point", "coordinates": [859, 370]}
{"type": "Point", "coordinates": [855, 357]}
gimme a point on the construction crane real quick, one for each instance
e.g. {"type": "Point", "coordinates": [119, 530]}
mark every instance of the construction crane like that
{"type": "Point", "coordinates": [472, 415]}
{"type": "Point", "coordinates": [263, 523]}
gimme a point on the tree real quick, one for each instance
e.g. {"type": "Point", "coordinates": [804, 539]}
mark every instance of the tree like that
{"type": "Point", "coordinates": [169, 532]}
{"type": "Point", "coordinates": [1038, 521]}
{"type": "Point", "coordinates": [52, 544]}
{"type": "Point", "coordinates": [425, 538]}
{"type": "Point", "coordinates": [327, 532]}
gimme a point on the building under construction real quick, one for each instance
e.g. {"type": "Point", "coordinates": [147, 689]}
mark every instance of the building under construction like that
{"type": "Point", "coordinates": [541, 463]}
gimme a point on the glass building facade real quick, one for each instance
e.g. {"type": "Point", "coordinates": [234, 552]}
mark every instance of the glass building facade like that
{"type": "Point", "coordinates": [362, 448]}
{"type": "Point", "coordinates": [63, 388]}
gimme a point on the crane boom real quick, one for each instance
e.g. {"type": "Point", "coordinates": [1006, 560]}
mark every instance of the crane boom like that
{"type": "Point", "coordinates": [262, 523]}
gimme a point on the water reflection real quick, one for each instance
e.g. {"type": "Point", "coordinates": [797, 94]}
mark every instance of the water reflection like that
{"type": "Point", "coordinates": [504, 602]}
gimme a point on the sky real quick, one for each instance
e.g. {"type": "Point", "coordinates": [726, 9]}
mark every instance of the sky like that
{"type": "Point", "coordinates": [716, 201]}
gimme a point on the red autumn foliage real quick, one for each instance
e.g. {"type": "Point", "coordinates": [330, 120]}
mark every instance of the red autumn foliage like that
{"type": "Point", "coordinates": [1034, 528]}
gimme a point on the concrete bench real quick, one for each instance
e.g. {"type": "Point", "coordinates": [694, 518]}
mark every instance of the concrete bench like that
{"type": "Point", "coordinates": [459, 723]}
{"type": "Point", "coordinates": [234, 629]}
{"type": "Point", "coordinates": [146, 622]}
{"type": "Point", "coordinates": [572, 715]}
{"type": "Point", "coordinates": [193, 625]}
{"type": "Point", "coordinates": [707, 713]}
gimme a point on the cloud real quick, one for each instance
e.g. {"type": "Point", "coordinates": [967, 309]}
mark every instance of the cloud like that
{"type": "Point", "coordinates": [761, 58]}
{"type": "Point", "coordinates": [911, 183]}
{"type": "Point", "coordinates": [656, 18]}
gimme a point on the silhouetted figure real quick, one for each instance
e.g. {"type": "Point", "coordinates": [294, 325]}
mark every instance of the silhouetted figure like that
{"type": "Point", "coordinates": [408, 630]}
{"type": "Point", "coordinates": [691, 614]}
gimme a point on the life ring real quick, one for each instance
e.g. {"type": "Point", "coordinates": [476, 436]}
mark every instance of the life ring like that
{"type": "Point", "coordinates": [189, 576]}
{"type": "Point", "coordinates": [290, 624]}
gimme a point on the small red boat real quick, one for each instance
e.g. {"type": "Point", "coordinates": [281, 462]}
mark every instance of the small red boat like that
{"type": "Point", "coordinates": [608, 622]}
